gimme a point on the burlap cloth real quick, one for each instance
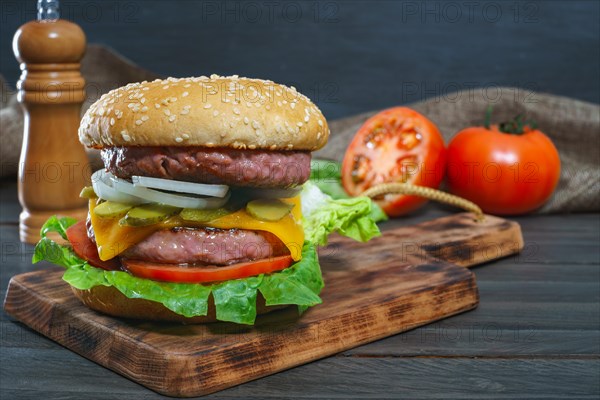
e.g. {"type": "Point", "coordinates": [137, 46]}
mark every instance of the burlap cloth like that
{"type": "Point", "coordinates": [573, 125]}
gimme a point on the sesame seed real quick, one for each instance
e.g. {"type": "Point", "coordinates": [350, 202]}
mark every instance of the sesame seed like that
{"type": "Point", "coordinates": [299, 123]}
{"type": "Point", "coordinates": [178, 139]}
{"type": "Point", "coordinates": [268, 107]}
{"type": "Point", "coordinates": [145, 118]}
{"type": "Point", "coordinates": [320, 123]}
{"type": "Point", "coordinates": [142, 100]}
{"type": "Point", "coordinates": [215, 113]}
{"type": "Point", "coordinates": [187, 107]}
{"type": "Point", "coordinates": [185, 111]}
{"type": "Point", "coordinates": [167, 111]}
{"type": "Point", "coordinates": [279, 103]}
{"type": "Point", "coordinates": [166, 87]}
{"type": "Point", "coordinates": [306, 118]}
{"type": "Point", "coordinates": [125, 136]}
{"type": "Point", "coordinates": [157, 106]}
{"type": "Point", "coordinates": [246, 120]}
{"type": "Point", "coordinates": [187, 86]}
{"type": "Point", "coordinates": [255, 124]}
{"type": "Point", "coordinates": [144, 109]}
{"type": "Point", "coordinates": [173, 99]}
{"type": "Point", "coordinates": [185, 136]}
{"type": "Point", "coordinates": [184, 94]}
{"type": "Point", "coordinates": [293, 105]}
{"type": "Point", "coordinates": [112, 121]}
{"type": "Point", "coordinates": [171, 118]}
{"type": "Point", "coordinates": [207, 106]}
{"type": "Point", "coordinates": [258, 132]}
{"type": "Point", "coordinates": [138, 122]}
{"type": "Point", "coordinates": [236, 111]}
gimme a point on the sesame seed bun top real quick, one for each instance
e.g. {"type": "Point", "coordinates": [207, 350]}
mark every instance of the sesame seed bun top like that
{"type": "Point", "coordinates": [210, 111]}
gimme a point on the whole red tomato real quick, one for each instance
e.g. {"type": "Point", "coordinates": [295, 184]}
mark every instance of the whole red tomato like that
{"type": "Point", "coordinates": [503, 173]}
{"type": "Point", "coordinates": [396, 145]}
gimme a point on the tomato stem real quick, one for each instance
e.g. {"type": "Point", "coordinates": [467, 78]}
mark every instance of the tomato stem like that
{"type": "Point", "coordinates": [488, 116]}
{"type": "Point", "coordinates": [518, 125]}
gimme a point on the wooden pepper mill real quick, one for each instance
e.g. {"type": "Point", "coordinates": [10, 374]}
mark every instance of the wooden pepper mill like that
{"type": "Point", "coordinates": [53, 166]}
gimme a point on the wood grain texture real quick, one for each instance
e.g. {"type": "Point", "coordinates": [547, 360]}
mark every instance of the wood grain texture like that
{"type": "Point", "coordinates": [337, 378]}
{"type": "Point", "coordinates": [373, 291]}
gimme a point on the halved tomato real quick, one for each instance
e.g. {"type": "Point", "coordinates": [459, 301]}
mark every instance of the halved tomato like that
{"type": "Point", "coordinates": [396, 145]}
{"type": "Point", "coordinates": [86, 249]}
{"type": "Point", "coordinates": [177, 273]}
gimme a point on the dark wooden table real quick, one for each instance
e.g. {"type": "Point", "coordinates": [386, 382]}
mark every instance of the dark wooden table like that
{"type": "Point", "coordinates": [536, 334]}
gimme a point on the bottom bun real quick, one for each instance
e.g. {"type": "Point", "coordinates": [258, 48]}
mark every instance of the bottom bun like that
{"type": "Point", "coordinates": [109, 300]}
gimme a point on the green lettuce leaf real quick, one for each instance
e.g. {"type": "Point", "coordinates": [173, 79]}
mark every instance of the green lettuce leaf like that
{"type": "Point", "coordinates": [58, 225]}
{"type": "Point", "coordinates": [326, 175]}
{"type": "Point", "coordinates": [235, 300]}
{"type": "Point", "coordinates": [47, 249]}
{"type": "Point", "coordinates": [300, 284]}
{"type": "Point", "coordinates": [323, 215]}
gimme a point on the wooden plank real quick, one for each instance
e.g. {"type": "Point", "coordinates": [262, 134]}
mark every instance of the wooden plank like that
{"type": "Point", "coordinates": [335, 377]}
{"type": "Point", "coordinates": [455, 339]}
{"type": "Point", "coordinates": [373, 291]}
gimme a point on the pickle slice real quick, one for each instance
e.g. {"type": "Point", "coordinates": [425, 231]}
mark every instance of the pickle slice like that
{"type": "Point", "coordinates": [148, 214]}
{"type": "Point", "coordinates": [196, 215]}
{"type": "Point", "coordinates": [88, 193]}
{"type": "Point", "coordinates": [111, 209]}
{"type": "Point", "coordinates": [268, 209]}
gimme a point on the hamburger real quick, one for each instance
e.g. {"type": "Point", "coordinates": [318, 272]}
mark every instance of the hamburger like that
{"type": "Point", "coordinates": [197, 215]}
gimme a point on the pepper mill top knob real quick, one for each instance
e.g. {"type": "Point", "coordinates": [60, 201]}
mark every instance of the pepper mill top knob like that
{"type": "Point", "coordinates": [50, 41]}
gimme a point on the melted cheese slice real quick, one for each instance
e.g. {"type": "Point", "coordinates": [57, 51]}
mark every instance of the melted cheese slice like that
{"type": "Point", "coordinates": [112, 239]}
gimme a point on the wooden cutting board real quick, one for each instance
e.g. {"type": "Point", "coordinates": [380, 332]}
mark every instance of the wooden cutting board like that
{"type": "Point", "coordinates": [409, 277]}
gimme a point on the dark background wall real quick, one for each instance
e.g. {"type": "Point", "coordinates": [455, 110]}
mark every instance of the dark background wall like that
{"type": "Point", "coordinates": [349, 56]}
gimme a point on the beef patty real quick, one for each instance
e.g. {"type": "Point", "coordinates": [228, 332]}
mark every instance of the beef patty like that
{"type": "Point", "coordinates": [206, 246]}
{"type": "Point", "coordinates": [257, 168]}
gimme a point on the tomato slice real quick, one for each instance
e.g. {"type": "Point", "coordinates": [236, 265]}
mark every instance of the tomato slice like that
{"type": "Point", "coordinates": [396, 145]}
{"type": "Point", "coordinates": [86, 249]}
{"type": "Point", "coordinates": [178, 273]}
